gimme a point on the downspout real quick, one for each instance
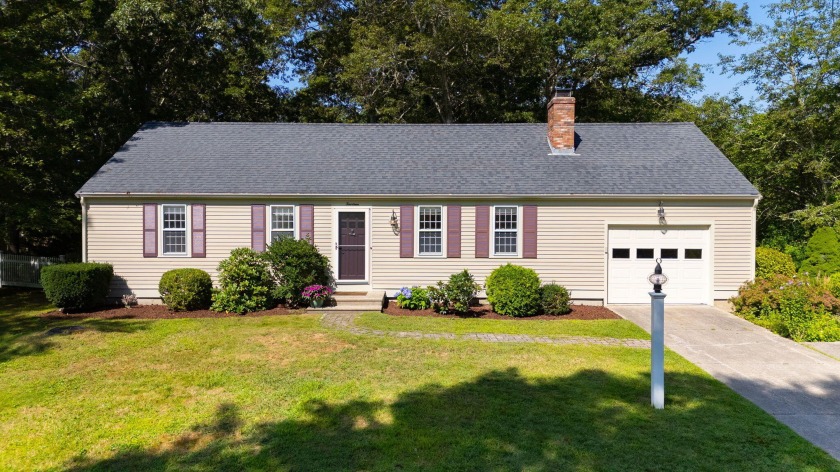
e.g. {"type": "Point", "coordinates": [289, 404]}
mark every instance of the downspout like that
{"type": "Point", "coordinates": [84, 230]}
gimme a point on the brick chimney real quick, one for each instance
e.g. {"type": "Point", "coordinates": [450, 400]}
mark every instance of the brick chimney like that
{"type": "Point", "coordinates": [561, 122]}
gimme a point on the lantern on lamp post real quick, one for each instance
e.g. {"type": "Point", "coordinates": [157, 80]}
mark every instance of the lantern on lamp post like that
{"type": "Point", "coordinates": [657, 334]}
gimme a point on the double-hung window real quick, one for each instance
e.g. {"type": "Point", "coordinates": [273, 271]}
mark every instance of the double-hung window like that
{"type": "Point", "coordinates": [174, 230]}
{"type": "Point", "coordinates": [430, 231]}
{"type": "Point", "coordinates": [506, 231]}
{"type": "Point", "coordinates": [282, 222]}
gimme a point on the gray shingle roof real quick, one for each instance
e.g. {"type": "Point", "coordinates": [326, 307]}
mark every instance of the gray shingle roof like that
{"type": "Point", "coordinates": [476, 159]}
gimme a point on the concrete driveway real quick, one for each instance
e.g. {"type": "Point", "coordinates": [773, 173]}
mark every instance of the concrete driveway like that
{"type": "Point", "coordinates": [795, 384]}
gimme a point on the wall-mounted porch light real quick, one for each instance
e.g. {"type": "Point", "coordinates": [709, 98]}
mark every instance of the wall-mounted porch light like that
{"type": "Point", "coordinates": [661, 214]}
{"type": "Point", "coordinates": [395, 222]}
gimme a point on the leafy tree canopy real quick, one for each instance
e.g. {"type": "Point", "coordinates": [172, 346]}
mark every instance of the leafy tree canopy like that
{"type": "Point", "coordinates": [484, 61]}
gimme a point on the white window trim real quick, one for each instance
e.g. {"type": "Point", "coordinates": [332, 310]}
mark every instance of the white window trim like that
{"type": "Point", "coordinates": [188, 230]}
{"type": "Point", "coordinates": [443, 232]}
{"type": "Point", "coordinates": [492, 242]}
{"type": "Point", "coordinates": [269, 230]}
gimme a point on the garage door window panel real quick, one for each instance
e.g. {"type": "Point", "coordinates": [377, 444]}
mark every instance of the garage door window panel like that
{"type": "Point", "coordinates": [621, 253]}
{"type": "Point", "coordinates": [646, 253]}
{"type": "Point", "coordinates": [670, 253]}
{"type": "Point", "coordinates": [693, 253]}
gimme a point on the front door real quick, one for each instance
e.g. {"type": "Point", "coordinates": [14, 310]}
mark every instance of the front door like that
{"type": "Point", "coordinates": [351, 245]}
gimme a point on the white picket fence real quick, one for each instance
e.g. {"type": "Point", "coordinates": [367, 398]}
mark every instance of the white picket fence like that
{"type": "Point", "coordinates": [23, 271]}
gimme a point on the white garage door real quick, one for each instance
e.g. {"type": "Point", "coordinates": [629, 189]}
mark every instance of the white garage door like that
{"type": "Point", "coordinates": [632, 254]}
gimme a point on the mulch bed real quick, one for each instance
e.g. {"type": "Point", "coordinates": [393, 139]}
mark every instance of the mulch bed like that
{"type": "Point", "coordinates": [154, 312]}
{"type": "Point", "coordinates": [579, 312]}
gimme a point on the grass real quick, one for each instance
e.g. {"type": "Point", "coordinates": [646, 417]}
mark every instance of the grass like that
{"type": "Point", "coordinates": [283, 393]}
{"type": "Point", "coordinates": [599, 328]}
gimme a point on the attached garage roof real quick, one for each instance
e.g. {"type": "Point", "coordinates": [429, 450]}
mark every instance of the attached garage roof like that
{"type": "Point", "coordinates": [667, 159]}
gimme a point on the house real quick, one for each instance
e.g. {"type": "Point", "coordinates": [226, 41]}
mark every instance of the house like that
{"type": "Point", "coordinates": [588, 206]}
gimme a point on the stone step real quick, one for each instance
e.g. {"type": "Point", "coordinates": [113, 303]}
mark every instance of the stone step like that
{"type": "Point", "coordinates": [345, 309]}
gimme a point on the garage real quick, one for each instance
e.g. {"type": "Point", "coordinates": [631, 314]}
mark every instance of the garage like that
{"type": "Point", "coordinates": [632, 254]}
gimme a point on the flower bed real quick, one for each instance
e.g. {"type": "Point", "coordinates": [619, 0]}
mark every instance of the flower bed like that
{"type": "Point", "coordinates": [579, 312]}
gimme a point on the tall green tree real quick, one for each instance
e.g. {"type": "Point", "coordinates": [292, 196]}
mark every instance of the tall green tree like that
{"type": "Point", "coordinates": [478, 60]}
{"type": "Point", "coordinates": [791, 148]}
{"type": "Point", "coordinates": [78, 78]}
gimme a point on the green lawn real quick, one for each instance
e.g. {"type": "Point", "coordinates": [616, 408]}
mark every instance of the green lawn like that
{"type": "Point", "coordinates": [600, 328]}
{"type": "Point", "coordinates": [283, 393]}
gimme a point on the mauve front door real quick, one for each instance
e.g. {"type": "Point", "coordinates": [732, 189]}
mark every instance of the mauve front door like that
{"type": "Point", "coordinates": [351, 245]}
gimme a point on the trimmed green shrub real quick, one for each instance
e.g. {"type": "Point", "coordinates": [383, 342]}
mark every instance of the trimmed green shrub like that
{"type": "Point", "coordinates": [834, 284]}
{"type": "Point", "coordinates": [456, 295]}
{"type": "Point", "coordinates": [79, 286]}
{"type": "Point", "coordinates": [769, 261]}
{"type": "Point", "coordinates": [822, 254]}
{"type": "Point", "coordinates": [514, 291]}
{"type": "Point", "coordinates": [437, 297]}
{"type": "Point", "coordinates": [794, 307]}
{"type": "Point", "coordinates": [414, 298]}
{"type": "Point", "coordinates": [461, 290]}
{"type": "Point", "coordinates": [555, 299]}
{"type": "Point", "coordinates": [245, 283]}
{"type": "Point", "coordinates": [186, 289]}
{"type": "Point", "coordinates": [296, 264]}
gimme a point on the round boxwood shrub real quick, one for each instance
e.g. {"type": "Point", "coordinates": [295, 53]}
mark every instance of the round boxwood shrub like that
{"type": "Point", "coordinates": [514, 291]}
{"type": "Point", "coordinates": [245, 283]}
{"type": "Point", "coordinates": [769, 261]}
{"type": "Point", "coordinates": [79, 286]}
{"type": "Point", "coordinates": [555, 299]}
{"type": "Point", "coordinates": [186, 289]}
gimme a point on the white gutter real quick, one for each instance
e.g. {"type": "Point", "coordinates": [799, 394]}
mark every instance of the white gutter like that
{"type": "Point", "coordinates": [427, 196]}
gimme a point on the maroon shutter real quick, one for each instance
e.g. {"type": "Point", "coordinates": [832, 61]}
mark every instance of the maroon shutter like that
{"type": "Point", "coordinates": [199, 243]}
{"type": "Point", "coordinates": [307, 223]}
{"type": "Point", "coordinates": [482, 231]}
{"type": "Point", "coordinates": [407, 231]}
{"type": "Point", "coordinates": [453, 231]}
{"type": "Point", "coordinates": [258, 228]}
{"type": "Point", "coordinates": [149, 230]}
{"type": "Point", "coordinates": [529, 232]}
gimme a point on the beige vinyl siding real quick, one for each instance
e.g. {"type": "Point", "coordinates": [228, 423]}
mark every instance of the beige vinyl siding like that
{"type": "Point", "coordinates": [572, 244]}
{"type": "Point", "coordinates": [572, 240]}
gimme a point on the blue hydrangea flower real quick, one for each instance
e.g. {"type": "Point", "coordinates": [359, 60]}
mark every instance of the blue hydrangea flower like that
{"type": "Point", "coordinates": [406, 292]}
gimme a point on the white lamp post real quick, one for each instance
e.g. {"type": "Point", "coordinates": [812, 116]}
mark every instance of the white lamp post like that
{"type": "Point", "coordinates": [657, 342]}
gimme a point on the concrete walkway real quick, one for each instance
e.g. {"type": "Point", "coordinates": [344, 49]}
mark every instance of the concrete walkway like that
{"type": "Point", "coordinates": [797, 385]}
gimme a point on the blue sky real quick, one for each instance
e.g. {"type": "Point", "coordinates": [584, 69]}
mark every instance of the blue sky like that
{"type": "Point", "coordinates": [706, 54]}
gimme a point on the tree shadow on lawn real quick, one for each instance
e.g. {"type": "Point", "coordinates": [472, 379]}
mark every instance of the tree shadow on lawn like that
{"type": "Point", "coordinates": [24, 332]}
{"type": "Point", "coordinates": [592, 420]}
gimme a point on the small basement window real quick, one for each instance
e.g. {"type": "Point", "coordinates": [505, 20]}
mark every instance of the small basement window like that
{"type": "Point", "coordinates": [174, 230]}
